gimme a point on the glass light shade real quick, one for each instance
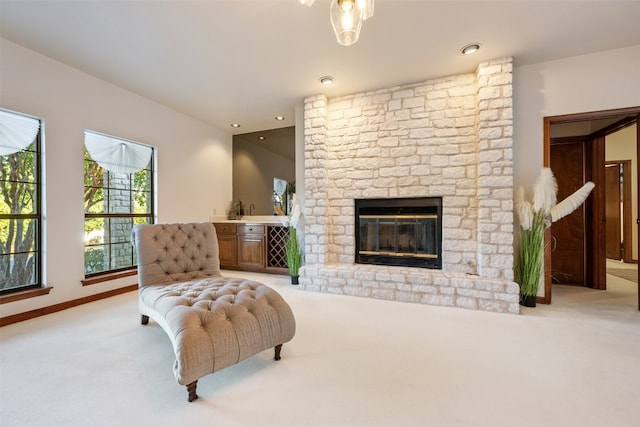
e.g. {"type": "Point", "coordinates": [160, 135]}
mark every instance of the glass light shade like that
{"type": "Point", "coordinates": [346, 18]}
{"type": "Point", "coordinates": [307, 2]}
{"type": "Point", "coordinates": [367, 8]}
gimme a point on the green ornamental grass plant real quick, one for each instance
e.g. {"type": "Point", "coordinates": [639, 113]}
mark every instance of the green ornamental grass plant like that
{"type": "Point", "coordinates": [529, 261]}
{"type": "Point", "coordinates": [292, 251]}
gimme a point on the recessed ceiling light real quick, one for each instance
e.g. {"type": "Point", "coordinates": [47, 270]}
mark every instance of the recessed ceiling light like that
{"type": "Point", "coordinates": [261, 138]}
{"type": "Point", "coordinates": [279, 118]}
{"type": "Point", "coordinates": [235, 125]}
{"type": "Point", "coordinates": [470, 49]}
{"type": "Point", "coordinates": [327, 80]}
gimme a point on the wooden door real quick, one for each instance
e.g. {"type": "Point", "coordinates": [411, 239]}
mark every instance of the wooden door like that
{"type": "Point", "coordinates": [568, 234]}
{"type": "Point", "coordinates": [627, 211]}
{"type": "Point", "coordinates": [596, 218]}
{"type": "Point", "coordinates": [638, 187]}
{"type": "Point", "coordinates": [613, 198]}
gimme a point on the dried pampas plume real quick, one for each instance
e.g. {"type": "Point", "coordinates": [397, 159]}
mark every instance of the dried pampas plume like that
{"type": "Point", "coordinates": [524, 210]}
{"type": "Point", "coordinates": [571, 203]}
{"type": "Point", "coordinates": [544, 191]}
{"type": "Point", "coordinates": [544, 201]}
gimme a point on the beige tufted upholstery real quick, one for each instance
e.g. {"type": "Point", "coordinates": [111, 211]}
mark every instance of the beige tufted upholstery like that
{"type": "Point", "coordinates": [169, 253]}
{"type": "Point", "coordinates": [213, 322]}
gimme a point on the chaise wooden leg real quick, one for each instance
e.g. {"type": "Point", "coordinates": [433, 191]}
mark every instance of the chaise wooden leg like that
{"type": "Point", "coordinates": [144, 320]}
{"type": "Point", "coordinates": [191, 388]}
{"type": "Point", "coordinates": [277, 352]}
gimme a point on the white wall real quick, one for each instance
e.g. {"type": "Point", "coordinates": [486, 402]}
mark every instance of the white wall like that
{"type": "Point", "coordinates": [193, 161]}
{"type": "Point", "coordinates": [600, 81]}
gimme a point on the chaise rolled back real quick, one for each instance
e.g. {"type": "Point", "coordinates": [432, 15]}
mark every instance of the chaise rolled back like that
{"type": "Point", "coordinates": [169, 253]}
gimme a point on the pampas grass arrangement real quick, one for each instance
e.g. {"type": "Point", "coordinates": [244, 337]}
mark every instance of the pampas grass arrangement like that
{"type": "Point", "coordinates": [534, 219]}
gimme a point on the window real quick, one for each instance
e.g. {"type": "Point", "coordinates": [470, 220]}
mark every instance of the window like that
{"type": "Point", "coordinates": [118, 193]}
{"type": "Point", "coordinates": [20, 202]}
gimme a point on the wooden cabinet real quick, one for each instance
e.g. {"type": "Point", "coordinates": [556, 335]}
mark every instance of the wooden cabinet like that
{"type": "Point", "coordinates": [227, 245]}
{"type": "Point", "coordinates": [252, 247]}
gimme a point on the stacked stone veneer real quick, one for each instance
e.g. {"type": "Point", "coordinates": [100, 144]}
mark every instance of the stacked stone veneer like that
{"type": "Point", "coordinates": [117, 233]}
{"type": "Point", "coordinates": [449, 137]}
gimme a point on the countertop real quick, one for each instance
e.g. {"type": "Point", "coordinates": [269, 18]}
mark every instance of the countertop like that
{"type": "Point", "coordinates": [251, 219]}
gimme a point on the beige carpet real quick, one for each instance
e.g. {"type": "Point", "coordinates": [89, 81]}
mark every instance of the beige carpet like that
{"type": "Point", "coordinates": [624, 273]}
{"type": "Point", "coordinates": [353, 362]}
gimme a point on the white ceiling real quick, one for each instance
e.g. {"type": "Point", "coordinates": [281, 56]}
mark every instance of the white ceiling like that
{"type": "Point", "coordinates": [244, 61]}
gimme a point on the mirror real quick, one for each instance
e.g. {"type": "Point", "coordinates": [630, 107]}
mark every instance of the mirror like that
{"type": "Point", "coordinates": [259, 158]}
{"type": "Point", "coordinates": [280, 196]}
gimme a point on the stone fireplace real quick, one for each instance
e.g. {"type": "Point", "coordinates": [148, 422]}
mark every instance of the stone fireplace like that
{"type": "Point", "coordinates": [450, 137]}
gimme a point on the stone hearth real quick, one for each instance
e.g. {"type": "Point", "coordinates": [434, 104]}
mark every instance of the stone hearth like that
{"type": "Point", "coordinates": [449, 138]}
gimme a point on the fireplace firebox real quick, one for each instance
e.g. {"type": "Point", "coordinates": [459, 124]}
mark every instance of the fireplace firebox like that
{"type": "Point", "coordinates": [401, 232]}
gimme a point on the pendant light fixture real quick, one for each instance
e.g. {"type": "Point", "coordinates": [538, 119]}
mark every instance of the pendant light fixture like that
{"type": "Point", "coordinates": [346, 18]}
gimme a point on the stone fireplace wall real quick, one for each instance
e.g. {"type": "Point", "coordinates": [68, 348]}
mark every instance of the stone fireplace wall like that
{"type": "Point", "coordinates": [449, 137]}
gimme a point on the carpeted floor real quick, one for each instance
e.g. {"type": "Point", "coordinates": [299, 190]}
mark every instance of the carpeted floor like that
{"type": "Point", "coordinates": [354, 362]}
{"type": "Point", "coordinates": [624, 273]}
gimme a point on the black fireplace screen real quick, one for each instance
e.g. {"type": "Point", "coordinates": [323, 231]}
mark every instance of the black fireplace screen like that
{"type": "Point", "coordinates": [405, 232]}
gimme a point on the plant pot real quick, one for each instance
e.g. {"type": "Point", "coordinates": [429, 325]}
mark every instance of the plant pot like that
{"type": "Point", "coordinates": [294, 280]}
{"type": "Point", "coordinates": [528, 300]}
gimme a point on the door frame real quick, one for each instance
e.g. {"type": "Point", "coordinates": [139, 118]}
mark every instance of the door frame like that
{"type": "Point", "coordinates": [597, 159]}
{"type": "Point", "coordinates": [625, 195]}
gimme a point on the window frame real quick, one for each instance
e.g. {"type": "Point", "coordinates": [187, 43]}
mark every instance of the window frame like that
{"type": "Point", "coordinates": [107, 216]}
{"type": "Point", "coordinates": [38, 210]}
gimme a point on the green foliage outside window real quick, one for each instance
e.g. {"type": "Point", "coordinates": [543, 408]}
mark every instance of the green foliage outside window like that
{"type": "Point", "coordinates": [19, 219]}
{"type": "Point", "coordinates": [113, 204]}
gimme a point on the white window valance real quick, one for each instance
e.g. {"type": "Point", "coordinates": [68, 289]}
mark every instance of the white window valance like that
{"type": "Point", "coordinates": [115, 154]}
{"type": "Point", "coordinates": [17, 132]}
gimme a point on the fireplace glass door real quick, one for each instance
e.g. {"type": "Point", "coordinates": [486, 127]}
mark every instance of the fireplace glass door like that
{"type": "Point", "coordinates": [400, 232]}
{"type": "Point", "coordinates": [399, 235]}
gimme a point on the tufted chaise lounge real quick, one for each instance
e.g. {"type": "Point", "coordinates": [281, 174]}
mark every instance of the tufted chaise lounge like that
{"type": "Point", "coordinates": [212, 321]}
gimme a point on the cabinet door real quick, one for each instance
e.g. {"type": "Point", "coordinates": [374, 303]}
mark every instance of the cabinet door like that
{"type": "Point", "coordinates": [227, 249]}
{"type": "Point", "coordinates": [251, 251]}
